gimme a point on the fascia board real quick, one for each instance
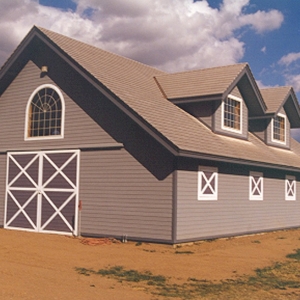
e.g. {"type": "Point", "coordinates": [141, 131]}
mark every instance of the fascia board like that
{"type": "Point", "coordinates": [247, 72]}
{"type": "Point", "coordinates": [224, 159]}
{"type": "Point", "coordinates": [4, 71]}
{"type": "Point", "coordinates": [291, 95]}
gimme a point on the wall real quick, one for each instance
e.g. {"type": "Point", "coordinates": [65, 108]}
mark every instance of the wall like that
{"type": "Point", "coordinates": [124, 189]}
{"type": "Point", "coordinates": [80, 129]}
{"type": "Point", "coordinates": [120, 197]}
{"type": "Point", "coordinates": [233, 213]}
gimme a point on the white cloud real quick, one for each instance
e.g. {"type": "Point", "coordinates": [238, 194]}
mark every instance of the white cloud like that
{"type": "Point", "coordinates": [262, 21]}
{"type": "Point", "coordinates": [289, 58]}
{"type": "Point", "coordinates": [171, 34]}
{"type": "Point", "coordinates": [261, 85]}
{"type": "Point", "coordinates": [294, 80]}
{"type": "Point", "coordinates": [263, 49]}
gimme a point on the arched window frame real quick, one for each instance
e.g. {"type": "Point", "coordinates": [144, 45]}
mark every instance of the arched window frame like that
{"type": "Point", "coordinates": [27, 120]}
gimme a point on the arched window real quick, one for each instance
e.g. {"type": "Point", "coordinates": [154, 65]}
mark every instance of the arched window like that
{"type": "Point", "coordinates": [45, 113]}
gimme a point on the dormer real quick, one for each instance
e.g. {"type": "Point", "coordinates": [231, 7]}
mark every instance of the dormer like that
{"type": "Point", "coordinates": [222, 97]}
{"type": "Point", "coordinates": [282, 114]}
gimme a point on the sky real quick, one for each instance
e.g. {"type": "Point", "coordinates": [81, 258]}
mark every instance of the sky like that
{"type": "Point", "coordinates": [172, 35]}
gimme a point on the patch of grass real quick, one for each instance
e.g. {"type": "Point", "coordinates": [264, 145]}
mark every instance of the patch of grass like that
{"type": "Point", "coordinates": [280, 276]}
{"type": "Point", "coordinates": [183, 252]}
{"type": "Point", "coordinates": [83, 271]}
{"type": "Point", "coordinates": [118, 272]}
{"type": "Point", "coordinates": [138, 244]}
{"type": "Point", "coordinates": [294, 255]}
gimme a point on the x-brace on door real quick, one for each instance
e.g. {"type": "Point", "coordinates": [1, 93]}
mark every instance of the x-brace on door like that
{"type": "Point", "coordinates": [42, 191]}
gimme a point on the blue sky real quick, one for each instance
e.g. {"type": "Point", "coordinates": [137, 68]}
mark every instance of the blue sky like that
{"type": "Point", "coordinates": [172, 35]}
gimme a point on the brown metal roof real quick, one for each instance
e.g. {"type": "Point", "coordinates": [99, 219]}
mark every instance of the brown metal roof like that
{"type": "Point", "coordinates": [279, 97]}
{"type": "Point", "coordinates": [275, 97]}
{"type": "Point", "coordinates": [203, 82]}
{"type": "Point", "coordinates": [134, 86]}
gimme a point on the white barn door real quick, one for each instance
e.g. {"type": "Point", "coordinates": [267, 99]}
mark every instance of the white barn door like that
{"type": "Point", "coordinates": [42, 191]}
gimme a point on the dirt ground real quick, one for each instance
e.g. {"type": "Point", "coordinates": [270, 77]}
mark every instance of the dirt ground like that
{"type": "Point", "coordinates": [42, 266]}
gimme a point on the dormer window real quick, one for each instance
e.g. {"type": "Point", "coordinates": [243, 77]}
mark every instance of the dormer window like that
{"type": "Point", "coordinates": [45, 113]}
{"type": "Point", "coordinates": [279, 129]}
{"type": "Point", "coordinates": [232, 114]}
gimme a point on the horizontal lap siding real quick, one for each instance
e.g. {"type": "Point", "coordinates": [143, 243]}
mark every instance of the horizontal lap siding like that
{"type": "Point", "coordinates": [80, 129]}
{"type": "Point", "coordinates": [123, 198]}
{"type": "Point", "coordinates": [233, 212]}
{"type": "Point", "coordinates": [120, 196]}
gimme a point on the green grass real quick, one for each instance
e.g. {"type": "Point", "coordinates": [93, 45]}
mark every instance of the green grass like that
{"type": "Point", "coordinates": [294, 255]}
{"type": "Point", "coordinates": [281, 276]}
{"type": "Point", "coordinates": [118, 272]}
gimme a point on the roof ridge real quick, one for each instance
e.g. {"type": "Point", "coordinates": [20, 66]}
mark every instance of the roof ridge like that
{"type": "Point", "coordinates": [207, 69]}
{"type": "Point", "coordinates": [276, 87]}
{"type": "Point", "coordinates": [46, 31]}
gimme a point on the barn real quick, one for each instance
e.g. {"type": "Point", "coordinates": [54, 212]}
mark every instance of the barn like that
{"type": "Point", "coordinates": [96, 144]}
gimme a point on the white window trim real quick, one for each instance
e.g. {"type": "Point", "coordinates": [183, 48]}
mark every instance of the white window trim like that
{"type": "Point", "coordinates": [272, 130]}
{"type": "Point", "coordinates": [251, 191]}
{"type": "Point", "coordinates": [241, 114]}
{"type": "Point", "coordinates": [201, 195]}
{"type": "Point", "coordinates": [61, 135]}
{"type": "Point", "coordinates": [289, 187]}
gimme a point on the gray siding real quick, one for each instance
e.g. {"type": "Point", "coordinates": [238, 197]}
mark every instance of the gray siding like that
{"type": "Point", "coordinates": [258, 127]}
{"type": "Point", "coordinates": [203, 110]}
{"type": "Point", "coordinates": [124, 191]}
{"type": "Point", "coordinates": [120, 197]}
{"type": "Point", "coordinates": [233, 212]}
{"type": "Point", "coordinates": [217, 120]}
{"type": "Point", "coordinates": [236, 92]}
{"type": "Point", "coordinates": [288, 135]}
{"type": "Point", "coordinates": [80, 129]}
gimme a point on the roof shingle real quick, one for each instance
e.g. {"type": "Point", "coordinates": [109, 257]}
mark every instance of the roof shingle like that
{"type": "Point", "coordinates": [135, 86]}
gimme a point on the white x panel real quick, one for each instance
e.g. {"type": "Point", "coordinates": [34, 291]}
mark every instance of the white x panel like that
{"type": "Point", "coordinates": [290, 189]}
{"type": "Point", "coordinates": [207, 185]}
{"type": "Point", "coordinates": [256, 187]}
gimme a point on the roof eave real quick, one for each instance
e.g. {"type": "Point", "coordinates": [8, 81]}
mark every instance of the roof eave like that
{"type": "Point", "coordinates": [195, 99]}
{"type": "Point", "coordinates": [15, 62]}
{"type": "Point", "coordinates": [290, 104]}
{"type": "Point", "coordinates": [225, 159]}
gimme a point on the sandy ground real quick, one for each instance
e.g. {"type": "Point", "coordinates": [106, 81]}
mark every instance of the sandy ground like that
{"type": "Point", "coordinates": [42, 266]}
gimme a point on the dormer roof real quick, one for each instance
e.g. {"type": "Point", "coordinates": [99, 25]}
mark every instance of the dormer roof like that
{"type": "Point", "coordinates": [277, 98]}
{"type": "Point", "coordinates": [213, 84]}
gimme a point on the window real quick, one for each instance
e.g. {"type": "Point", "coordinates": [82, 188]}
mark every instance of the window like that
{"type": "Point", "coordinates": [45, 113]}
{"type": "Point", "coordinates": [290, 188]}
{"type": "Point", "coordinates": [278, 128]}
{"type": "Point", "coordinates": [256, 186]}
{"type": "Point", "coordinates": [207, 183]}
{"type": "Point", "coordinates": [232, 114]}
